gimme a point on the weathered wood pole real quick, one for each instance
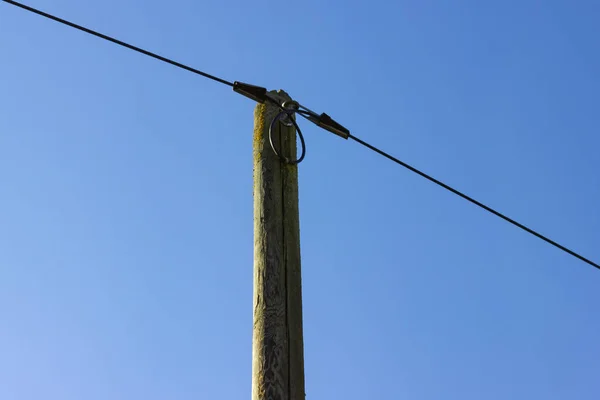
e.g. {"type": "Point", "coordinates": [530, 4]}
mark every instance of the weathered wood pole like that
{"type": "Point", "coordinates": [277, 342]}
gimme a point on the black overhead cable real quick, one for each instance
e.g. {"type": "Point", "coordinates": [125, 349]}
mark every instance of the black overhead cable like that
{"type": "Point", "coordinates": [472, 200]}
{"type": "Point", "coordinates": [120, 43]}
{"type": "Point", "coordinates": [260, 94]}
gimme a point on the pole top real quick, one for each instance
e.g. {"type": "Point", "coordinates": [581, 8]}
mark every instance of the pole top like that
{"type": "Point", "coordinates": [283, 100]}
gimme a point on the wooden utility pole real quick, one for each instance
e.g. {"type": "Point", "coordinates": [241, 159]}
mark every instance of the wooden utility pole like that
{"type": "Point", "coordinates": [277, 343]}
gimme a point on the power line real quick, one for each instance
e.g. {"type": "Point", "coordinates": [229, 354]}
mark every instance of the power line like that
{"type": "Point", "coordinates": [120, 43]}
{"type": "Point", "coordinates": [322, 120]}
{"type": "Point", "coordinates": [472, 200]}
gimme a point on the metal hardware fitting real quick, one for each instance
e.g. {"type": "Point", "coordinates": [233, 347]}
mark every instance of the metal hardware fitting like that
{"type": "Point", "coordinates": [253, 92]}
{"type": "Point", "coordinates": [290, 107]}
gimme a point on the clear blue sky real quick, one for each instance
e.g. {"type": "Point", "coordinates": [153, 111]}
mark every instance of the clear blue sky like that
{"type": "Point", "coordinates": [126, 198]}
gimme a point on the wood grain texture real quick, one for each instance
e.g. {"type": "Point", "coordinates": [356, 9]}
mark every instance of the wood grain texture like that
{"type": "Point", "coordinates": [277, 345]}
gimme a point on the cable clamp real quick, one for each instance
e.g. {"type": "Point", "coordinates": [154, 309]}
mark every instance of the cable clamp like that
{"type": "Point", "coordinates": [324, 121]}
{"type": "Point", "coordinates": [253, 92]}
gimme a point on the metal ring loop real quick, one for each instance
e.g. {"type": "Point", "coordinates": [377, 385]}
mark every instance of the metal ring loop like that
{"type": "Point", "coordinates": [285, 159]}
